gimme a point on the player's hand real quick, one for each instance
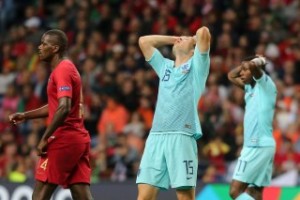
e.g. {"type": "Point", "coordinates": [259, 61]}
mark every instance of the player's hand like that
{"type": "Point", "coordinates": [42, 147]}
{"type": "Point", "coordinates": [262, 57]}
{"type": "Point", "coordinates": [16, 118]}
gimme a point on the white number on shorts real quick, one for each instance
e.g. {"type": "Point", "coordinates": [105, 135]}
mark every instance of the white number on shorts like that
{"type": "Point", "coordinates": [44, 164]}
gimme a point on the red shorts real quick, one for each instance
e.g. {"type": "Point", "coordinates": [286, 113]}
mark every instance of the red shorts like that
{"type": "Point", "coordinates": [65, 164]}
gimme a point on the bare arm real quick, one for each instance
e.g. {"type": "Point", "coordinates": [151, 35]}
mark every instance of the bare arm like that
{"type": "Point", "coordinates": [234, 77]}
{"type": "Point", "coordinates": [64, 107]}
{"type": "Point", "coordinates": [150, 42]}
{"type": "Point", "coordinates": [37, 113]}
{"type": "Point", "coordinates": [203, 39]}
{"type": "Point", "coordinates": [19, 117]}
{"type": "Point", "coordinates": [255, 67]}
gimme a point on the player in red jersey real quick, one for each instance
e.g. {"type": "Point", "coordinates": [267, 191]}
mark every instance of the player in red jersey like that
{"type": "Point", "coordinates": [64, 147]}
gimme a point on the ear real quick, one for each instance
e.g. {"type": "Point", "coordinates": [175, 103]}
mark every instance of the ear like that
{"type": "Point", "coordinates": [56, 49]}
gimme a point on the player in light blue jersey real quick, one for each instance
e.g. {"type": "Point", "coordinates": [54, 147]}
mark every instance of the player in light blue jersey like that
{"type": "Point", "coordinates": [254, 168]}
{"type": "Point", "coordinates": [170, 156]}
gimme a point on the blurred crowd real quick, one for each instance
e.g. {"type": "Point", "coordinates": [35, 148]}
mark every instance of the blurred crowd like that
{"type": "Point", "coordinates": [120, 88]}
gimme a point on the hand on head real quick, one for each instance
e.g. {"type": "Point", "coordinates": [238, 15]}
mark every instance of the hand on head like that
{"type": "Point", "coordinates": [259, 61]}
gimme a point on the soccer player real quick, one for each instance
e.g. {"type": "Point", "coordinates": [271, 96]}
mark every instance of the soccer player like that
{"type": "Point", "coordinates": [170, 155]}
{"type": "Point", "coordinates": [64, 147]}
{"type": "Point", "coordinates": [254, 168]}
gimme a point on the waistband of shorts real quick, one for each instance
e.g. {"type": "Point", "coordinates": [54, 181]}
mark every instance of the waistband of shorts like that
{"type": "Point", "coordinates": [171, 133]}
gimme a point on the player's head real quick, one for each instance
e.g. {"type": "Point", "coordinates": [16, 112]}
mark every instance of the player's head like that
{"type": "Point", "coordinates": [184, 45]}
{"type": "Point", "coordinates": [245, 73]}
{"type": "Point", "coordinates": [53, 42]}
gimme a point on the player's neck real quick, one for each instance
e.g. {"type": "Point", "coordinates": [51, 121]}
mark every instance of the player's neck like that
{"type": "Point", "coordinates": [181, 59]}
{"type": "Point", "coordinates": [252, 84]}
{"type": "Point", "coordinates": [55, 61]}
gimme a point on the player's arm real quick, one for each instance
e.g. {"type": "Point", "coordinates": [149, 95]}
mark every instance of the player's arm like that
{"type": "Point", "coordinates": [203, 39]}
{"type": "Point", "coordinates": [37, 113]}
{"type": "Point", "coordinates": [150, 42]}
{"type": "Point", "coordinates": [255, 66]}
{"type": "Point", "coordinates": [267, 85]}
{"type": "Point", "coordinates": [235, 78]}
{"type": "Point", "coordinates": [63, 109]}
{"type": "Point", "coordinates": [19, 117]}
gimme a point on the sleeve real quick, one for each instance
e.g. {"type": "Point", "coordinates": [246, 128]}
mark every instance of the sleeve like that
{"type": "Point", "coordinates": [266, 84]}
{"type": "Point", "coordinates": [157, 61]}
{"type": "Point", "coordinates": [201, 64]}
{"type": "Point", "coordinates": [63, 81]}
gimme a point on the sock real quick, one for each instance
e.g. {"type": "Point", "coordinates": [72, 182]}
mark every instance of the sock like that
{"type": "Point", "coordinates": [244, 196]}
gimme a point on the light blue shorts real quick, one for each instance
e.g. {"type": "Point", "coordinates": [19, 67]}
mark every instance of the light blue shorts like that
{"type": "Point", "coordinates": [255, 166]}
{"type": "Point", "coordinates": [169, 160]}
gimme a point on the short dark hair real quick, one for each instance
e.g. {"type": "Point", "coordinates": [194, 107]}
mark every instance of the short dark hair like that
{"type": "Point", "coordinates": [61, 37]}
{"type": "Point", "coordinates": [249, 58]}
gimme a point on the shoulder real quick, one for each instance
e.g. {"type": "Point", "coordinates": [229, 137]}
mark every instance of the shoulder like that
{"type": "Point", "coordinates": [66, 64]}
{"type": "Point", "coordinates": [265, 79]}
{"type": "Point", "coordinates": [65, 67]}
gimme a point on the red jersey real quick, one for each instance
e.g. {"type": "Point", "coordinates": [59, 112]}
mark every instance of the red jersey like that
{"type": "Point", "coordinates": [65, 81]}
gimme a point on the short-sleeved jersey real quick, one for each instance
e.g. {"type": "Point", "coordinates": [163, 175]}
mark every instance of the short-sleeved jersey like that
{"type": "Point", "coordinates": [179, 91]}
{"type": "Point", "coordinates": [259, 113]}
{"type": "Point", "coordinates": [65, 81]}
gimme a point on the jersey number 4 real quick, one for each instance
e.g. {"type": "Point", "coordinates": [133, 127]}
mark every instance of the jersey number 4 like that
{"type": "Point", "coordinates": [44, 164]}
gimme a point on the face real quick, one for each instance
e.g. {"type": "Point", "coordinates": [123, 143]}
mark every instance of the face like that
{"type": "Point", "coordinates": [183, 44]}
{"type": "Point", "coordinates": [245, 73]}
{"type": "Point", "coordinates": [48, 48]}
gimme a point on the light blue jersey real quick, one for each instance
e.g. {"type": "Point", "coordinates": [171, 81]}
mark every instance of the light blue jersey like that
{"type": "Point", "coordinates": [259, 112]}
{"type": "Point", "coordinates": [180, 89]}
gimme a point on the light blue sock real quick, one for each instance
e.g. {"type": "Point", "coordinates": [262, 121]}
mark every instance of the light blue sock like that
{"type": "Point", "coordinates": [244, 196]}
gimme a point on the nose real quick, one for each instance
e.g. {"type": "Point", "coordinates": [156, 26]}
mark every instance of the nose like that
{"type": "Point", "coordinates": [178, 40]}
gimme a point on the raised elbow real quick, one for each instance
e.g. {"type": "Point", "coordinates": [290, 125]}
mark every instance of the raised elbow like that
{"type": "Point", "coordinates": [142, 40]}
{"type": "Point", "coordinates": [203, 33]}
{"type": "Point", "coordinates": [229, 76]}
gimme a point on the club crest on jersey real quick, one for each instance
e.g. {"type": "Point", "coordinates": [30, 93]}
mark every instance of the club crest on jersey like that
{"type": "Point", "coordinates": [185, 68]}
{"type": "Point", "coordinates": [64, 88]}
